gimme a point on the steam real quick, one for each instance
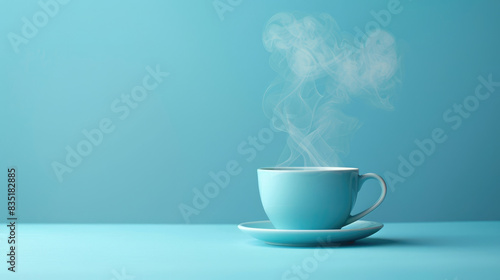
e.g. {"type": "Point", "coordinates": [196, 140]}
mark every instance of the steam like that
{"type": "Point", "coordinates": [320, 70]}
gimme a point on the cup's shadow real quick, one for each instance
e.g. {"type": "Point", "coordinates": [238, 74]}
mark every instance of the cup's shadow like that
{"type": "Point", "coordinates": [366, 242]}
{"type": "Point", "coordinates": [371, 242]}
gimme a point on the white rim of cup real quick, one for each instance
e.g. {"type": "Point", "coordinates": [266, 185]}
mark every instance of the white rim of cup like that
{"type": "Point", "coordinates": [307, 169]}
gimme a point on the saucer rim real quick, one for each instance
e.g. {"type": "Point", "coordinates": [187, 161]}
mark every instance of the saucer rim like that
{"type": "Point", "coordinates": [242, 226]}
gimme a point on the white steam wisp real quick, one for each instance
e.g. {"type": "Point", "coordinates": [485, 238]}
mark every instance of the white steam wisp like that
{"type": "Point", "coordinates": [319, 71]}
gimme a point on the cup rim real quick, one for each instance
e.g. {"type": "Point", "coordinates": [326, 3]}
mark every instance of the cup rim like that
{"type": "Point", "coordinates": [307, 169]}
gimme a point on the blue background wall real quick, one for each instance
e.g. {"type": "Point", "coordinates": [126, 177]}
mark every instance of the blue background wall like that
{"type": "Point", "coordinates": [65, 78]}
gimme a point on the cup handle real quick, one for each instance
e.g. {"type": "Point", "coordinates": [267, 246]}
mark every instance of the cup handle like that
{"type": "Point", "coordinates": [362, 179]}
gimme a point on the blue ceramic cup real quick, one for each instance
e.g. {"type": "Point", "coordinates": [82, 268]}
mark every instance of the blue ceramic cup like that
{"type": "Point", "coordinates": [313, 197]}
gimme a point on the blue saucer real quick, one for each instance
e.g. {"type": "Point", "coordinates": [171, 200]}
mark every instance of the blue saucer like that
{"type": "Point", "coordinates": [265, 231]}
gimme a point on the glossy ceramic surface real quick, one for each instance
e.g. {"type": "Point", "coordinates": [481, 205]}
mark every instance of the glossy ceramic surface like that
{"type": "Point", "coordinates": [313, 197]}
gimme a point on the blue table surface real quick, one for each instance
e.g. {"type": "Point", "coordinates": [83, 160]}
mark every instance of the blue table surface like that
{"type": "Point", "coordinates": [449, 250]}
